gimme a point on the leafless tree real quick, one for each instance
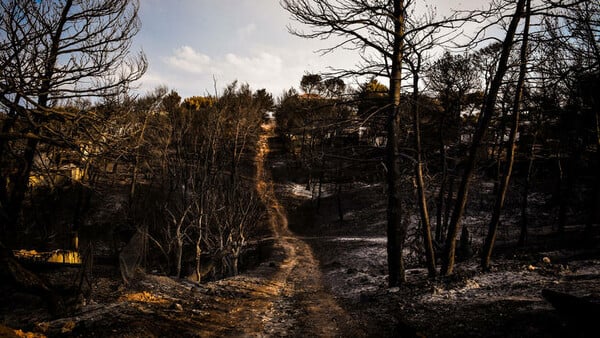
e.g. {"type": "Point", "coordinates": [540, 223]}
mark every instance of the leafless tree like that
{"type": "Point", "coordinates": [486, 115]}
{"type": "Point", "coordinates": [52, 52]}
{"type": "Point", "coordinates": [377, 31]}
{"type": "Point", "coordinates": [511, 146]}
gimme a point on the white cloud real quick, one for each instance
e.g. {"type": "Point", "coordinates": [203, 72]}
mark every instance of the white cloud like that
{"type": "Point", "coordinates": [191, 71]}
{"type": "Point", "coordinates": [261, 65]}
{"type": "Point", "coordinates": [189, 67]}
{"type": "Point", "coordinates": [187, 59]}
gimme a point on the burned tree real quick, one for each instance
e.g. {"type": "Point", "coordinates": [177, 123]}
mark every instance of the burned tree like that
{"type": "Point", "coordinates": [484, 120]}
{"type": "Point", "coordinates": [369, 26]}
{"type": "Point", "coordinates": [52, 53]}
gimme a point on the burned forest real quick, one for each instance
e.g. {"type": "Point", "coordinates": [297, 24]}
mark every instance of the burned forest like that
{"type": "Point", "coordinates": [429, 172]}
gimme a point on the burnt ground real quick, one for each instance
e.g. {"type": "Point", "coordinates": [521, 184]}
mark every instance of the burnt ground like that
{"type": "Point", "coordinates": [506, 302]}
{"type": "Point", "coordinates": [323, 277]}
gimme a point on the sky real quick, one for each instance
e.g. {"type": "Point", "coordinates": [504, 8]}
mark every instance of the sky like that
{"type": "Point", "coordinates": [193, 46]}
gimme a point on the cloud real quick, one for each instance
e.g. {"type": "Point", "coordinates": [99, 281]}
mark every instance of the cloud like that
{"type": "Point", "coordinates": [187, 59]}
{"type": "Point", "coordinates": [189, 67]}
{"type": "Point", "coordinates": [259, 66]}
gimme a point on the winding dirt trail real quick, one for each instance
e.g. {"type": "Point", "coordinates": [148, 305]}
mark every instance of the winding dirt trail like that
{"type": "Point", "coordinates": [283, 297]}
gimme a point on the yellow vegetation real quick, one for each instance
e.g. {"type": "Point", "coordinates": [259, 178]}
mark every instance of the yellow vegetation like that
{"type": "Point", "coordinates": [143, 297]}
{"type": "Point", "coordinates": [56, 256]}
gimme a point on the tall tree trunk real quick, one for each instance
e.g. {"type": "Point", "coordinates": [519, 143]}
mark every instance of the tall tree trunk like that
{"type": "Point", "coordinates": [484, 120]}
{"type": "Point", "coordinates": [488, 245]}
{"type": "Point", "coordinates": [421, 197]}
{"type": "Point", "coordinates": [9, 122]}
{"type": "Point", "coordinates": [396, 229]}
{"type": "Point", "coordinates": [21, 180]}
{"type": "Point", "coordinates": [499, 150]}
{"type": "Point", "coordinates": [448, 206]}
{"type": "Point", "coordinates": [22, 176]}
{"type": "Point", "coordinates": [442, 191]}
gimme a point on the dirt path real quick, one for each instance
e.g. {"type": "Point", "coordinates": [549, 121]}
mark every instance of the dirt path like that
{"type": "Point", "coordinates": [283, 297]}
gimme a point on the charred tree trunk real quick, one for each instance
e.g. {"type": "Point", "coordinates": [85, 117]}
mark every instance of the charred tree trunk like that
{"type": "Point", "coordinates": [22, 176]}
{"type": "Point", "coordinates": [21, 180]}
{"type": "Point", "coordinates": [510, 151]}
{"type": "Point", "coordinates": [442, 191]}
{"type": "Point", "coordinates": [448, 206]}
{"type": "Point", "coordinates": [396, 229]}
{"type": "Point", "coordinates": [421, 196]}
{"type": "Point", "coordinates": [484, 120]}
{"type": "Point", "coordinates": [4, 143]}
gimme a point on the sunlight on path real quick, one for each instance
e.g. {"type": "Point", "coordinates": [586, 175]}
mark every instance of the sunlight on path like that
{"type": "Point", "coordinates": [283, 297]}
{"type": "Point", "coordinates": [303, 296]}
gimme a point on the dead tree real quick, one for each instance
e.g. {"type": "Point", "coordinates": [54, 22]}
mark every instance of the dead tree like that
{"type": "Point", "coordinates": [488, 245]}
{"type": "Point", "coordinates": [377, 31]}
{"type": "Point", "coordinates": [484, 120]}
{"type": "Point", "coordinates": [52, 52]}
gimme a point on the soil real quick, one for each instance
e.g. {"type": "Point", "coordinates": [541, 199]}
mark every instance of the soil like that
{"type": "Point", "coordinates": [326, 277]}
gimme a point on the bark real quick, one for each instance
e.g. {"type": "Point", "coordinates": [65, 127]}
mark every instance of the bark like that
{"type": "Point", "coordinates": [4, 200]}
{"type": "Point", "coordinates": [488, 245]}
{"type": "Point", "coordinates": [421, 197]}
{"type": "Point", "coordinates": [478, 137]}
{"type": "Point", "coordinates": [448, 206]}
{"type": "Point", "coordinates": [22, 178]}
{"type": "Point", "coordinates": [396, 229]}
{"type": "Point", "coordinates": [442, 191]}
{"type": "Point", "coordinates": [198, 269]}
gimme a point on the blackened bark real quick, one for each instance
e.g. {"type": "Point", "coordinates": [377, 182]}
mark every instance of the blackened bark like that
{"type": "Point", "coordinates": [421, 197]}
{"type": "Point", "coordinates": [22, 177]}
{"type": "Point", "coordinates": [480, 132]}
{"type": "Point", "coordinates": [396, 229]}
{"type": "Point", "coordinates": [442, 190]}
{"type": "Point", "coordinates": [488, 245]}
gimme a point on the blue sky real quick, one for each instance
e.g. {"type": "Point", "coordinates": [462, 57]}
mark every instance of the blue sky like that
{"type": "Point", "coordinates": [190, 42]}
